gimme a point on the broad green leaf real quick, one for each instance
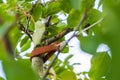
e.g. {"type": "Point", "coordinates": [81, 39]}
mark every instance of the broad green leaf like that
{"type": "Point", "coordinates": [100, 3]}
{"type": "Point", "coordinates": [67, 59]}
{"type": "Point", "coordinates": [85, 4]}
{"type": "Point", "coordinates": [93, 16]}
{"type": "Point", "coordinates": [2, 50]}
{"type": "Point", "coordinates": [18, 70]}
{"type": "Point", "coordinates": [1, 1]}
{"type": "Point", "coordinates": [6, 20]}
{"type": "Point", "coordinates": [65, 5]}
{"type": "Point", "coordinates": [67, 75]}
{"type": "Point", "coordinates": [14, 36]}
{"type": "Point", "coordinates": [26, 46]}
{"type": "Point", "coordinates": [28, 0]}
{"type": "Point", "coordinates": [24, 40]}
{"type": "Point", "coordinates": [26, 5]}
{"type": "Point", "coordinates": [76, 4]}
{"type": "Point", "coordinates": [90, 43]}
{"type": "Point", "coordinates": [31, 26]}
{"type": "Point", "coordinates": [101, 63]}
{"type": "Point", "coordinates": [111, 28]}
{"type": "Point", "coordinates": [73, 18]}
{"type": "Point", "coordinates": [65, 50]}
{"type": "Point", "coordinates": [59, 69]}
{"type": "Point", "coordinates": [53, 30]}
{"type": "Point", "coordinates": [27, 54]}
{"type": "Point", "coordinates": [55, 19]}
{"type": "Point", "coordinates": [52, 8]}
{"type": "Point", "coordinates": [61, 25]}
{"type": "Point", "coordinates": [1, 78]}
{"type": "Point", "coordinates": [12, 4]}
{"type": "Point", "coordinates": [36, 12]}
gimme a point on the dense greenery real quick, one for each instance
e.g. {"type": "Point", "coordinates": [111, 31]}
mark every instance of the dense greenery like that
{"type": "Point", "coordinates": [17, 19]}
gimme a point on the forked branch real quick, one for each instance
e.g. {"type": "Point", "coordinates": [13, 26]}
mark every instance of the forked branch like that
{"type": "Point", "coordinates": [76, 29]}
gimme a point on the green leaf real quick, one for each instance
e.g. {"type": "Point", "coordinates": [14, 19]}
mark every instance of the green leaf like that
{"type": "Point", "coordinates": [53, 30]}
{"type": "Point", "coordinates": [27, 54]}
{"type": "Point", "coordinates": [93, 16]}
{"type": "Point", "coordinates": [1, 1]}
{"type": "Point", "coordinates": [90, 43]}
{"type": "Point", "coordinates": [24, 40]}
{"type": "Point", "coordinates": [55, 19]}
{"type": "Point", "coordinates": [73, 18]}
{"type": "Point", "coordinates": [36, 12]}
{"type": "Point", "coordinates": [101, 63]}
{"type": "Point", "coordinates": [100, 3]}
{"type": "Point", "coordinates": [76, 4]}
{"type": "Point", "coordinates": [2, 50]}
{"type": "Point", "coordinates": [65, 5]}
{"type": "Point", "coordinates": [6, 20]}
{"type": "Point", "coordinates": [85, 4]}
{"type": "Point", "coordinates": [111, 29]}
{"type": "Point", "coordinates": [65, 50]}
{"type": "Point", "coordinates": [1, 78]}
{"type": "Point", "coordinates": [26, 46]}
{"type": "Point", "coordinates": [14, 36]}
{"type": "Point", "coordinates": [52, 8]}
{"type": "Point", "coordinates": [26, 5]}
{"type": "Point", "coordinates": [59, 69]}
{"type": "Point", "coordinates": [12, 3]}
{"type": "Point", "coordinates": [67, 59]}
{"type": "Point", "coordinates": [18, 70]}
{"type": "Point", "coordinates": [28, 0]}
{"type": "Point", "coordinates": [31, 26]}
{"type": "Point", "coordinates": [67, 75]}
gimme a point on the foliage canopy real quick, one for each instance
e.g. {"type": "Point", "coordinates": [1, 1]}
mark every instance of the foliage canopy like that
{"type": "Point", "coordinates": [17, 21]}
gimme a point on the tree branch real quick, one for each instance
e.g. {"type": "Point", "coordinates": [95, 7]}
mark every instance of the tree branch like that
{"type": "Point", "coordinates": [8, 45]}
{"type": "Point", "coordinates": [87, 28]}
{"type": "Point", "coordinates": [6, 39]}
{"type": "Point", "coordinates": [47, 24]}
{"type": "Point", "coordinates": [80, 23]}
{"type": "Point", "coordinates": [27, 31]}
{"type": "Point", "coordinates": [56, 37]}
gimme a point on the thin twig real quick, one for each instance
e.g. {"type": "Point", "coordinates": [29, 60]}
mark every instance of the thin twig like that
{"type": "Point", "coordinates": [48, 21]}
{"type": "Point", "coordinates": [6, 38]}
{"type": "Point", "coordinates": [28, 32]}
{"type": "Point", "coordinates": [80, 23]}
{"type": "Point", "coordinates": [56, 37]}
{"type": "Point", "coordinates": [87, 28]}
{"type": "Point", "coordinates": [47, 24]}
{"type": "Point", "coordinates": [28, 20]}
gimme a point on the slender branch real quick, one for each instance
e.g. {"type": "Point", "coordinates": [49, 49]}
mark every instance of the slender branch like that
{"type": "Point", "coordinates": [87, 28]}
{"type": "Point", "coordinates": [80, 23]}
{"type": "Point", "coordinates": [28, 32]}
{"type": "Point", "coordinates": [6, 39]}
{"type": "Point", "coordinates": [56, 37]}
{"type": "Point", "coordinates": [8, 45]}
{"type": "Point", "coordinates": [48, 21]}
{"type": "Point", "coordinates": [28, 20]}
{"type": "Point", "coordinates": [47, 24]}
